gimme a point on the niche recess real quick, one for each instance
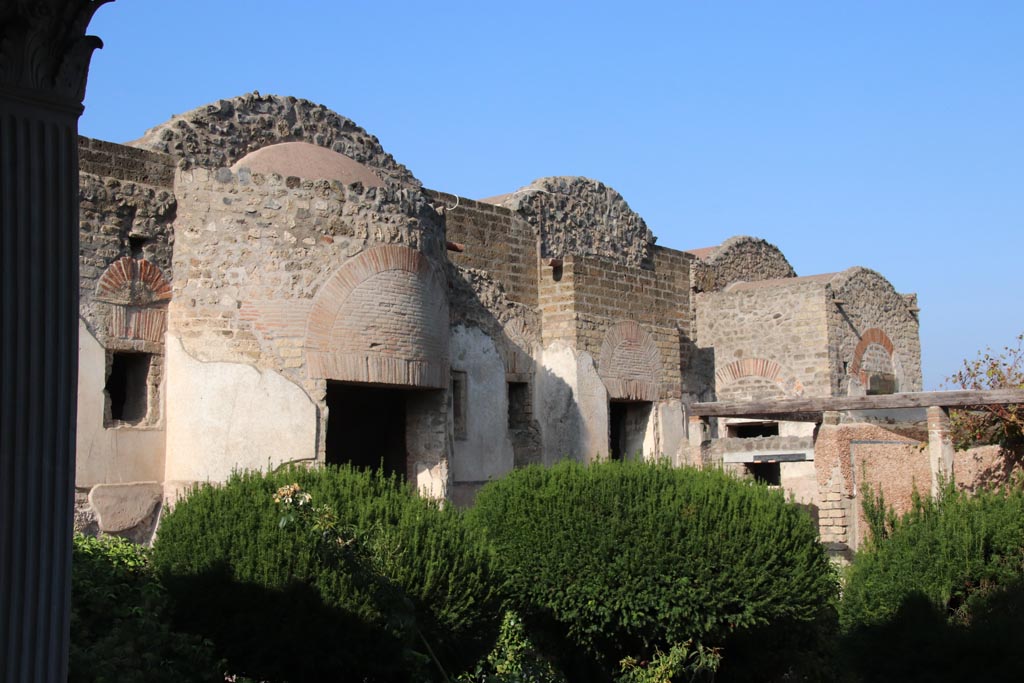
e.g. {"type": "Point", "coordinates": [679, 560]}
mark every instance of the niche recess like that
{"type": "Point", "coordinates": [127, 388]}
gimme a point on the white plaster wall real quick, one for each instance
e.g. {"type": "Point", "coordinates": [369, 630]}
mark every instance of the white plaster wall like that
{"type": "Point", "coordinates": [800, 480]}
{"type": "Point", "coordinates": [592, 396]}
{"type": "Point", "coordinates": [796, 429]}
{"type": "Point", "coordinates": [570, 405]}
{"type": "Point", "coordinates": [426, 442]}
{"type": "Point", "coordinates": [671, 433]}
{"type": "Point", "coordinates": [486, 452]}
{"type": "Point", "coordinates": [114, 455]}
{"type": "Point", "coordinates": [555, 406]}
{"type": "Point", "coordinates": [227, 416]}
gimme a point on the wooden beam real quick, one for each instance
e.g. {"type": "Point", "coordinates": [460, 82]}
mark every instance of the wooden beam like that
{"type": "Point", "coordinates": [920, 399]}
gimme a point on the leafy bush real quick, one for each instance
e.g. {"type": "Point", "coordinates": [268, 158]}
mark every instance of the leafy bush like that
{"type": "Point", "coordinates": [629, 560]}
{"type": "Point", "coordinates": [514, 659]}
{"type": "Point", "coordinates": [118, 622]}
{"type": "Point", "coordinates": [407, 586]}
{"type": "Point", "coordinates": [990, 424]}
{"type": "Point", "coordinates": [944, 549]}
{"type": "Point", "coordinates": [938, 594]}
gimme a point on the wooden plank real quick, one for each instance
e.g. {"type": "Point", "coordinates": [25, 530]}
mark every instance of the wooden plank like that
{"type": "Point", "coordinates": [921, 399]}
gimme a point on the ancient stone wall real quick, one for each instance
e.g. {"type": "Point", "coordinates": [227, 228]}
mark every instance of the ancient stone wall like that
{"type": "Point", "coordinates": [850, 456]}
{"type": "Point", "coordinates": [607, 293]}
{"type": "Point", "coordinates": [770, 338]}
{"type": "Point", "coordinates": [253, 252]}
{"type": "Point", "coordinates": [313, 280]}
{"type": "Point", "coordinates": [873, 331]}
{"type": "Point", "coordinates": [126, 214]}
{"type": "Point", "coordinates": [738, 259]}
{"type": "Point", "coordinates": [580, 216]}
{"type": "Point", "coordinates": [219, 134]}
{"type": "Point", "coordinates": [496, 240]}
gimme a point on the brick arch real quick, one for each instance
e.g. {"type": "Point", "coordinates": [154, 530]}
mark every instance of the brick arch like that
{"type": "Point", "coordinates": [135, 282]}
{"type": "Point", "coordinates": [749, 367]}
{"type": "Point", "coordinates": [629, 363]}
{"type": "Point", "coordinates": [518, 346]}
{"type": "Point", "coordinates": [137, 291]}
{"type": "Point", "coordinates": [382, 318]}
{"type": "Point", "coordinates": [876, 337]}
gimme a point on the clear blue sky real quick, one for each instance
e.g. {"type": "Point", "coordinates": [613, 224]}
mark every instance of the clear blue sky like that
{"type": "Point", "coordinates": [883, 134]}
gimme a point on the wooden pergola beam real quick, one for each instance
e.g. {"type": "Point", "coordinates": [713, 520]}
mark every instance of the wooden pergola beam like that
{"type": "Point", "coordinates": [808, 408]}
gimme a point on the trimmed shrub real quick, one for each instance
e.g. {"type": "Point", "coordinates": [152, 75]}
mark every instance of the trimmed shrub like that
{"type": "Point", "coordinates": [944, 549]}
{"type": "Point", "coordinates": [629, 560]}
{"type": "Point", "coordinates": [392, 589]}
{"type": "Point", "coordinates": [938, 594]}
{"type": "Point", "coordinates": [118, 621]}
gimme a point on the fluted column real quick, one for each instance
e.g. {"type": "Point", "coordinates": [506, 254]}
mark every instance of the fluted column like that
{"type": "Point", "coordinates": [44, 59]}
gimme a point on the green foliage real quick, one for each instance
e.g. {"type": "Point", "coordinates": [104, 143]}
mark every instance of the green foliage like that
{"type": "Point", "coordinates": [364, 577]}
{"type": "Point", "coordinates": [626, 560]}
{"type": "Point", "coordinates": [944, 550]}
{"type": "Point", "coordinates": [514, 659]}
{"type": "Point", "coordinates": [683, 660]}
{"type": "Point", "coordinates": [940, 596]}
{"type": "Point", "coordinates": [995, 424]}
{"type": "Point", "coordinates": [118, 621]}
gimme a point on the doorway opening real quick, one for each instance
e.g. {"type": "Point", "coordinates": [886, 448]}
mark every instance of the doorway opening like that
{"type": "Point", "coordinates": [127, 388]}
{"type": "Point", "coordinates": [366, 427]}
{"type": "Point", "coordinates": [627, 424]}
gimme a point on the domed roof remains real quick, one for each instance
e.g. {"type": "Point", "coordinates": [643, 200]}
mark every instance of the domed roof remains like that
{"type": "Point", "coordinates": [576, 215]}
{"type": "Point", "coordinates": [305, 160]}
{"type": "Point", "coordinates": [221, 133]}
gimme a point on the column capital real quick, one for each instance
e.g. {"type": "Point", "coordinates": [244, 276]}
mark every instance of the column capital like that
{"type": "Point", "coordinates": [44, 51]}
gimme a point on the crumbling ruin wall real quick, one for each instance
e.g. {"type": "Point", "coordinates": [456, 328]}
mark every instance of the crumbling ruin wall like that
{"type": "Point", "coordinates": [495, 239]}
{"type": "Point", "coordinates": [126, 211]}
{"type": "Point", "coordinates": [312, 280]}
{"type": "Point", "coordinates": [850, 457]}
{"type": "Point", "coordinates": [580, 216]}
{"type": "Point", "coordinates": [738, 259]}
{"type": "Point", "coordinates": [873, 330]}
{"type": "Point", "coordinates": [219, 134]}
{"type": "Point", "coordinates": [770, 339]}
{"type": "Point", "coordinates": [607, 293]}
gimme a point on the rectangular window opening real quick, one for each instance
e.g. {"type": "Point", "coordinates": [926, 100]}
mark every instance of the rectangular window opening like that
{"type": "Point", "coordinates": [127, 388]}
{"type": "Point", "coordinates": [366, 427]}
{"type": "Point", "coordinates": [520, 405]}
{"type": "Point", "coordinates": [751, 430]}
{"type": "Point", "coordinates": [765, 473]}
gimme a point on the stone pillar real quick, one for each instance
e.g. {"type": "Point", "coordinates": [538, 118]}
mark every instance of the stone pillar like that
{"type": "Point", "coordinates": [44, 58]}
{"type": "Point", "coordinates": [940, 447]}
{"type": "Point", "coordinates": [699, 431]}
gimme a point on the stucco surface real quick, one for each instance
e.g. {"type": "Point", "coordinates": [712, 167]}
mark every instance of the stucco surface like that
{"type": "Point", "coordinates": [225, 416]}
{"type": "Point", "coordinates": [558, 413]}
{"type": "Point", "coordinates": [487, 451]}
{"type": "Point", "coordinates": [120, 454]}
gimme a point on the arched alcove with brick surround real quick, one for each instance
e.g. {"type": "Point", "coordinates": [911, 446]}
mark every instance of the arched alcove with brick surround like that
{"type": "Point", "coordinates": [753, 378]}
{"type": "Point", "coordinates": [629, 363]}
{"type": "Point", "coordinates": [874, 358]}
{"type": "Point", "coordinates": [382, 318]}
{"type": "Point", "coordinates": [137, 291]}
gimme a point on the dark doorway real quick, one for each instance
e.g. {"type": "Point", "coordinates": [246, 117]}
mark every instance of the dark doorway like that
{"type": "Point", "coordinates": [366, 427]}
{"type": "Point", "coordinates": [765, 472]}
{"type": "Point", "coordinates": [627, 424]}
{"type": "Point", "coordinates": [128, 387]}
{"type": "Point", "coordinates": [752, 430]}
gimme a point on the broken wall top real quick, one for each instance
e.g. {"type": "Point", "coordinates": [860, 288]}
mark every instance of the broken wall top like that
{"type": "Point", "coordinates": [219, 134]}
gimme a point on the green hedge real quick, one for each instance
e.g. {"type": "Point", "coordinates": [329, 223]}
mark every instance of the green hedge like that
{"type": "Point", "coordinates": [411, 589]}
{"type": "Point", "coordinates": [119, 631]}
{"type": "Point", "coordinates": [938, 594]}
{"type": "Point", "coordinates": [629, 560]}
